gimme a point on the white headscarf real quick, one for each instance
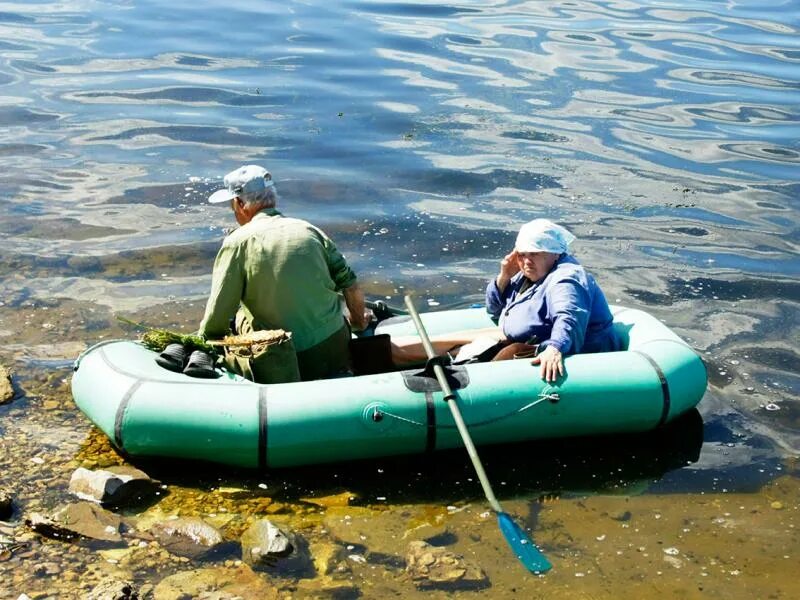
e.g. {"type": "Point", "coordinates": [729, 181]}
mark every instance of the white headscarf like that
{"type": "Point", "coordinates": [541, 235]}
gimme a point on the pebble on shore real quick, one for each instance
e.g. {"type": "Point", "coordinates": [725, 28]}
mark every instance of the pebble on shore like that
{"type": "Point", "coordinates": [432, 567]}
{"type": "Point", "coordinates": [6, 388]}
{"type": "Point", "coordinates": [113, 486]}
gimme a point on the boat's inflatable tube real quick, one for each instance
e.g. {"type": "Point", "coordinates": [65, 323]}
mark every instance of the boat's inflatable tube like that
{"type": "Point", "coordinates": [148, 411]}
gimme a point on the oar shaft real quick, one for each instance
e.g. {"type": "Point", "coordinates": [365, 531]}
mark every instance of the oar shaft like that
{"type": "Point", "coordinates": [423, 334]}
{"type": "Point", "coordinates": [450, 397]}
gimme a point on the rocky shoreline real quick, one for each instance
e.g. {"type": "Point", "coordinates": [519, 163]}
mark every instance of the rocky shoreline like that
{"type": "Point", "coordinates": [266, 560]}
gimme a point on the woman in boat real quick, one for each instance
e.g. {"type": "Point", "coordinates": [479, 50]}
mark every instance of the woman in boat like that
{"type": "Point", "coordinates": [543, 295]}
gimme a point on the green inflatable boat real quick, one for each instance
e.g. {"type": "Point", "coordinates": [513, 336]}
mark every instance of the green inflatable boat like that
{"type": "Point", "coordinates": [146, 410]}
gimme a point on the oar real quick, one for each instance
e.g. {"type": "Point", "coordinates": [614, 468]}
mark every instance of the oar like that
{"type": "Point", "coordinates": [526, 551]}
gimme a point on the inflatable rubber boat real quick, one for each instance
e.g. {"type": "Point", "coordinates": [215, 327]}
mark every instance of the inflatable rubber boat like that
{"type": "Point", "coordinates": [148, 411]}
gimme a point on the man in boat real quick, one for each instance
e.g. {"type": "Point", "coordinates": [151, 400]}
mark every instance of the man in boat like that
{"type": "Point", "coordinates": [276, 272]}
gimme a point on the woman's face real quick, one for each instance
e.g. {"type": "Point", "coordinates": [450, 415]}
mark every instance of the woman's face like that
{"type": "Point", "coordinates": [535, 265]}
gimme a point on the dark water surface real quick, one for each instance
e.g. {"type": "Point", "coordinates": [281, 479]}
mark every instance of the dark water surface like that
{"type": "Point", "coordinates": [419, 136]}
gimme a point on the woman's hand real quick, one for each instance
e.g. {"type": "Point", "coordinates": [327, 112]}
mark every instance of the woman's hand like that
{"type": "Point", "coordinates": [552, 363]}
{"type": "Point", "coordinates": [509, 267]}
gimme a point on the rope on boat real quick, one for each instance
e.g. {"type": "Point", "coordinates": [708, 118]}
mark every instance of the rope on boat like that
{"type": "Point", "coordinates": [377, 413]}
{"type": "Point", "coordinates": [552, 397]}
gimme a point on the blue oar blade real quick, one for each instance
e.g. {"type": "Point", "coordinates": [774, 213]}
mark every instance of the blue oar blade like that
{"type": "Point", "coordinates": [522, 545]}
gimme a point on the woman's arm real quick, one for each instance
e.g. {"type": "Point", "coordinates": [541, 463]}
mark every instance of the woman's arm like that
{"type": "Point", "coordinates": [509, 267]}
{"type": "Point", "coordinates": [499, 289]}
{"type": "Point", "coordinates": [569, 305]}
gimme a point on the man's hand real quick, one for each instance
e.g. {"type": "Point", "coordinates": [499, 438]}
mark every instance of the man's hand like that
{"type": "Point", "coordinates": [552, 364]}
{"type": "Point", "coordinates": [508, 268]}
{"type": "Point", "coordinates": [359, 325]}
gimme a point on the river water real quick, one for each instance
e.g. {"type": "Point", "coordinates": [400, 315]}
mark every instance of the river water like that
{"type": "Point", "coordinates": [419, 136]}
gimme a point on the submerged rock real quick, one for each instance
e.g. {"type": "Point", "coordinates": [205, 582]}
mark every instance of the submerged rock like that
{"type": "Point", "coordinates": [358, 526]}
{"type": "Point", "coordinates": [264, 542]}
{"type": "Point", "coordinates": [6, 388]}
{"type": "Point", "coordinates": [433, 567]}
{"type": "Point", "coordinates": [235, 493]}
{"type": "Point", "coordinates": [329, 558]}
{"type": "Point", "coordinates": [6, 505]}
{"type": "Point", "coordinates": [81, 520]}
{"type": "Point", "coordinates": [326, 587]}
{"type": "Point", "coordinates": [113, 486]}
{"type": "Point", "coordinates": [299, 563]}
{"type": "Point", "coordinates": [265, 545]}
{"type": "Point", "coordinates": [113, 589]}
{"type": "Point", "coordinates": [191, 537]}
{"type": "Point", "coordinates": [343, 499]}
{"type": "Point", "coordinates": [218, 583]}
{"type": "Point", "coordinates": [123, 555]}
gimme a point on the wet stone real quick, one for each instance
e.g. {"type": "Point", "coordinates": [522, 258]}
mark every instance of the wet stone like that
{"type": "Point", "coordinates": [46, 569]}
{"type": "Point", "coordinates": [6, 505]}
{"type": "Point", "coordinates": [190, 537]}
{"type": "Point", "coordinates": [217, 583]}
{"type": "Point", "coordinates": [81, 520]}
{"type": "Point", "coordinates": [263, 542]}
{"type": "Point", "coordinates": [113, 486]}
{"type": "Point", "coordinates": [113, 589]}
{"type": "Point", "coordinates": [6, 388]}
{"type": "Point", "coordinates": [51, 405]}
{"type": "Point", "coordinates": [432, 567]}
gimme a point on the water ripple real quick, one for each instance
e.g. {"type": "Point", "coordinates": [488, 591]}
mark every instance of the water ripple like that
{"type": "Point", "coordinates": [178, 95]}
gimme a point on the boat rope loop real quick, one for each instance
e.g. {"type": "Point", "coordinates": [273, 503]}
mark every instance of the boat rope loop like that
{"type": "Point", "coordinates": [378, 413]}
{"type": "Point", "coordinates": [552, 396]}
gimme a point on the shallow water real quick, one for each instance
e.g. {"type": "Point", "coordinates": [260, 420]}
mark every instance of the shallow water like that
{"type": "Point", "coordinates": [419, 136]}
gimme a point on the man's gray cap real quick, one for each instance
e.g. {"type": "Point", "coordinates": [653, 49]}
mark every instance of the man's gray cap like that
{"type": "Point", "coordinates": [245, 182]}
